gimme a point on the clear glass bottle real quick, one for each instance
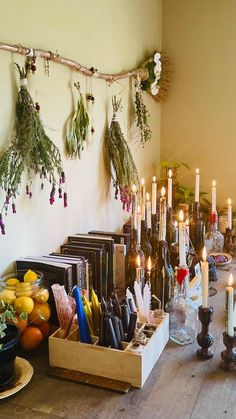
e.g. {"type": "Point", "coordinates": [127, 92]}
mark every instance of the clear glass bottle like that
{"type": "Point", "coordinates": [214, 240]}
{"type": "Point", "coordinates": [183, 311]}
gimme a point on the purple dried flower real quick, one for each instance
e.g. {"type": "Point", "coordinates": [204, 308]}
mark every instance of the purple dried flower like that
{"type": "Point", "coordinates": [7, 199]}
{"type": "Point", "coordinates": [13, 208]}
{"type": "Point", "coordinates": [65, 199]}
{"type": "Point", "coordinates": [27, 189]}
{"type": "Point", "coordinates": [30, 195]}
{"type": "Point", "coordinates": [60, 192]}
{"type": "Point", "coordinates": [62, 178]}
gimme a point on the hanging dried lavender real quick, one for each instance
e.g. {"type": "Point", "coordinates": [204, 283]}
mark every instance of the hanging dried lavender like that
{"type": "Point", "coordinates": [30, 150]}
{"type": "Point", "coordinates": [142, 115]}
{"type": "Point", "coordinates": [77, 128]}
{"type": "Point", "coordinates": [118, 159]}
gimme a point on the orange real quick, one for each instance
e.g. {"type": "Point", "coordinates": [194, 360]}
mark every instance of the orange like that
{"type": "Point", "coordinates": [40, 314]}
{"type": "Point", "coordinates": [19, 322]}
{"type": "Point", "coordinates": [31, 338]}
{"type": "Point", "coordinates": [45, 329]}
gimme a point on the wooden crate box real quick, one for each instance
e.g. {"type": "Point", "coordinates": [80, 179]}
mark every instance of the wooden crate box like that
{"type": "Point", "coordinates": [125, 366]}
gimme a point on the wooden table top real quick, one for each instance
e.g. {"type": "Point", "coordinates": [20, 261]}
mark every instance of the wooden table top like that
{"type": "Point", "coordinates": [179, 387]}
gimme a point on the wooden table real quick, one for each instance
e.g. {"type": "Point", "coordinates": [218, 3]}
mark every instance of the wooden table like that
{"type": "Point", "coordinates": [179, 387]}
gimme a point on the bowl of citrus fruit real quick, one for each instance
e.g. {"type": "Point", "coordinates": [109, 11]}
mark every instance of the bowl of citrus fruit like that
{"type": "Point", "coordinates": [24, 291]}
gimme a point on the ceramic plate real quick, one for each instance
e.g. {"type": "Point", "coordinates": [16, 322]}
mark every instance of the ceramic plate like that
{"type": "Point", "coordinates": [24, 372]}
{"type": "Point", "coordinates": [227, 256]}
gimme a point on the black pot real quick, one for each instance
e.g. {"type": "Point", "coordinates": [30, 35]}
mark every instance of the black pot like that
{"type": "Point", "coordinates": [8, 355]}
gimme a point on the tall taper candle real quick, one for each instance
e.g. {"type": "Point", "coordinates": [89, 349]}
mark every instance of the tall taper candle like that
{"type": "Point", "coordinates": [148, 206]}
{"type": "Point", "coordinates": [182, 247]}
{"type": "Point", "coordinates": [197, 186]}
{"type": "Point", "coordinates": [230, 311]}
{"type": "Point", "coordinates": [205, 278]}
{"type": "Point", "coordinates": [139, 223]}
{"type": "Point", "coordinates": [143, 199]}
{"type": "Point", "coordinates": [134, 206]}
{"type": "Point", "coordinates": [169, 199]}
{"type": "Point", "coordinates": [162, 229]}
{"type": "Point", "coordinates": [154, 195]}
{"type": "Point", "coordinates": [213, 196]}
{"type": "Point", "coordinates": [229, 214]}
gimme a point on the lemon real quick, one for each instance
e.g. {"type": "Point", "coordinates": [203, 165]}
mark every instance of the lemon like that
{"type": "Point", "coordinates": [24, 293]}
{"type": "Point", "coordinates": [12, 281]}
{"type": "Point", "coordinates": [7, 296]}
{"type": "Point", "coordinates": [23, 305]}
{"type": "Point", "coordinates": [30, 276]}
{"type": "Point", "coordinates": [41, 296]}
{"type": "Point", "coordinates": [23, 285]}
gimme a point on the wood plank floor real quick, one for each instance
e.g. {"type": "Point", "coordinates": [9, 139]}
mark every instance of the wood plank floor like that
{"type": "Point", "coordinates": [179, 387]}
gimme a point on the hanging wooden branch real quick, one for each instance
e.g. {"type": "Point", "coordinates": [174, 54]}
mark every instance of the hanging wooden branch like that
{"type": "Point", "coordinates": [118, 159]}
{"type": "Point", "coordinates": [30, 150]}
{"type": "Point", "coordinates": [145, 72]}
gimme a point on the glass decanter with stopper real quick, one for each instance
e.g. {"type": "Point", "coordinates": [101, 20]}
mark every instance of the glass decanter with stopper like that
{"type": "Point", "coordinates": [183, 311]}
{"type": "Point", "coordinates": [214, 240]}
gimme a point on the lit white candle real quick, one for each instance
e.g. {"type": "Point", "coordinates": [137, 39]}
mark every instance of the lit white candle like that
{"type": "Point", "coordinates": [139, 224]}
{"type": "Point", "coordinates": [162, 229]}
{"type": "Point", "coordinates": [205, 278]}
{"type": "Point", "coordinates": [148, 207]}
{"type": "Point", "coordinates": [154, 195]}
{"type": "Point", "coordinates": [197, 186]}
{"type": "Point", "coordinates": [169, 199]}
{"type": "Point", "coordinates": [213, 196]}
{"type": "Point", "coordinates": [143, 199]}
{"type": "Point", "coordinates": [230, 307]}
{"type": "Point", "coordinates": [182, 247]}
{"type": "Point", "coordinates": [149, 268]}
{"type": "Point", "coordinates": [229, 214]}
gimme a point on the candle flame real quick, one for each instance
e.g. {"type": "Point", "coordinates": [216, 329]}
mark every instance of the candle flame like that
{"type": "Point", "coordinates": [138, 261]}
{"type": "Point", "coordinates": [181, 215]}
{"type": "Point", "coordinates": [142, 181]}
{"type": "Point", "coordinates": [187, 223]}
{"type": "Point", "coordinates": [231, 280]}
{"type": "Point", "coordinates": [176, 223]}
{"type": "Point", "coordinates": [169, 173]}
{"type": "Point", "coordinates": [197, 171]}
{"type": "Point", "coordinates": [147, 197]}
{"type": "Point", "coordinates": [229, 201]}
{"type": "Point", "coordinates": [214, 183]}
{"type": "Point", "coordinates": [134, 188]}
{"type": "Point", "coordinates": [154, 179]}
{"type": "Point", "coordinates": [149, 264]}
{"type": "Point", "coordinates": [163, 191]}
{"type": "Point", "coordinates": [138, 209]}
{"type": "Point", "coordinates": [204, 254]}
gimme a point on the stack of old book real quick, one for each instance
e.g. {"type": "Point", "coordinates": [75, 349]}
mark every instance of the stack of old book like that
{"type": "Point", "coordinates": [94, 260]}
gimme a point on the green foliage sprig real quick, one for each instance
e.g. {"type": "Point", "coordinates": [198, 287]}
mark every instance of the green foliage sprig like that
{"type": "Point", "coordinates": [30, 149]}
{"type": "Point", "coordinates": [77, 128]}
{"type": "Point", "coordinates": [118, 159]}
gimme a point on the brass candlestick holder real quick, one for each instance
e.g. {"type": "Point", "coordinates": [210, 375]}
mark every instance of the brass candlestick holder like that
{"type": "Point", "coordinates": [228, 356]}
{"type": "Point", "coordinates": [205, 338]}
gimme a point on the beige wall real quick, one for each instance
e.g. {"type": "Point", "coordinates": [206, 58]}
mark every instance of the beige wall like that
{"type": "Point", "coordinates": [110, 35]}
{"type": "Point", "coordinates": [199, 117]}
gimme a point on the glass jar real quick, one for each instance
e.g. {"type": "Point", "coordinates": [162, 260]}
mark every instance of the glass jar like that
{"type": "Point", "coordinates": [16, 285]}
{"type": "Point", "coordinates": [183, 311]}
{"type": "Point", "coordinates": [214, 240]}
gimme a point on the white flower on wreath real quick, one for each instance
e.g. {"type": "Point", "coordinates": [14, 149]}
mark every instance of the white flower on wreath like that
{"type": "Point", "coordinates": [157, 57]}
{"type": "Point", "coordinates": [155, 88]}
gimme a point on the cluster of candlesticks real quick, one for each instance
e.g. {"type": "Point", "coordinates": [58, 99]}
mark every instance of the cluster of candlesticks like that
{"type": "Point", "coordinates": [153, 233]}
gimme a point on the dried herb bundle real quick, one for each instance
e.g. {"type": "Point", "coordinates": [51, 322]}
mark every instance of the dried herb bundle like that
{"type": "Point", "coordinates": [119, 161]}
{"type": "Point", "coordinates": [77, 128]}
{"type": "Point", "coordinates": [142, 115]}
{"type": "Point", "coordinates": [31, 150]}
